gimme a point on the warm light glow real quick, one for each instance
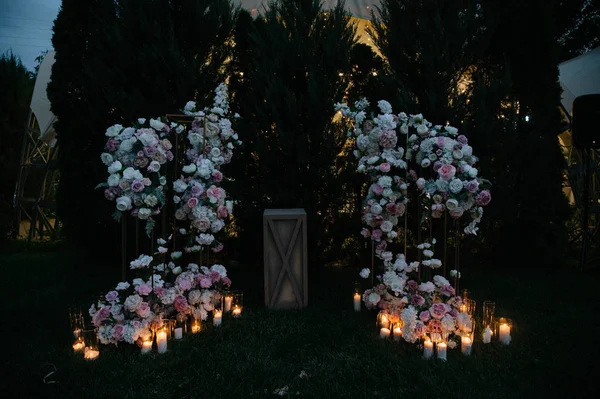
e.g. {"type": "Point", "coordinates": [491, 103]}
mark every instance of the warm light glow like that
{"type": "Point", "coordinates": [91, 354]}
{"type": "Point", "coordinates": [146, 346]}
{"type": "Point", "coordinates": [228, 301]}
{"type": "Point", "coordinates": [237, 311]}
{"type": "Point", "coordinates": [196, 327]}
{"type": "Point", "coordinates": [79, 345]}
{"type": "Point", "coordinates": [463, 308]}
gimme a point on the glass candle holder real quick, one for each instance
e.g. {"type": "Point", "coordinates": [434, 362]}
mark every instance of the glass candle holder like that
{"type": "Point", "coordinates": [179, 326]}
{"type": "Point", "coordinates": [489, 308]}
{"type": "Point", "coordinates": [471, 306]}
{"type": "Point", "coordinates": [90, 340]}
{"type": "Point", "coordinates": [76, 321]}
{"type": "Point", "coordinates": [503, 330]}
{"type": "Point", "coordinates": [78, 345]}
{"type": "Point", "coordinates": [196, 326]}
{"type": "Point", "coordinates": [465, 294]}
{"type": "Point", "coordinates": [217, 317]}
{"type": "Point", "coordinates": [383, 319]}
{"type": "Point", "coordinates": [237, 303]}
{"type": "Point", "coordinates": [161, 339]}
{"type": "Point", "coordinates": [397, 331]}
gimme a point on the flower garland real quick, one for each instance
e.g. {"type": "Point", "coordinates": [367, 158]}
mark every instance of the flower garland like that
{"type": "Point", "coordinates": [422, 309]}
{"type": "Point", "coordinates": [379, 157]}
{"type": "Point", "coordinates": [201, 201]}
{"type": "Point", "coordinates": [135, 157]}
{"type": "Point", "coordinates": [163, 289]}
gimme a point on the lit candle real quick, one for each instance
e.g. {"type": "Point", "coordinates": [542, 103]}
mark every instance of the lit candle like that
{"type": "Point", "coordinates": [161, 341]}
{"type": "Point", "coordinates": [78, 345]}
{"type": "Point", "coordinates": [196, 327]}
{"type": "Point", "coordinates": [462, 308]}
{"type": "Point", "coordinates": [357, 302]}
{"type": "Point", "coordinates": [178, 333]}
{"type": "Point", "coordinates": [228, 300]}
{"type": "Point", "coordinates": [441, 349]}
{"type": "Point", "coordinates": [146, 346]}
{"type": "Point", "coordinates": [217, 318]}
{"type": "Point", "coordinates": [237, 311]}
{"type": "Point", "coordinates": [466, 344]}
{"type": "Point", "coordinates": [91, 354]}
{"type": "Point", "coordinates": [384, 332]}
{"type": "Point", "coordinates": [487, 335]}
{"type": "Point", "coordinates": [504, 334]}
{"type": "Point", "coordinates": [428, 349]}
{"type": "Point", "coordinates": [397, 333]}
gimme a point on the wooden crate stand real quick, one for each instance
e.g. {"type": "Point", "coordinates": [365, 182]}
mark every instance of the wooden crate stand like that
{"type": "Point", "coordinates": [286, 276]}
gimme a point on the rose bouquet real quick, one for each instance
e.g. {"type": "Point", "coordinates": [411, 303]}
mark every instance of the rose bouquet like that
{"type": "Point", "coordinates": [454, 186]}
{"type": "Point", "coordinates": [424, 309]}
{"type": "Point", "coordinates": [131, 311]}
{"type": "Point", "coordinates": [201, 200]}
{"type": "Point", "coordinates": [135, 158]}
{"type": "Point", "coordinates": [380, 157]}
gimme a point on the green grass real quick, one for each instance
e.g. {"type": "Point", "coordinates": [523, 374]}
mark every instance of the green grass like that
{"type": "Point", "coordinates": [553, 352]}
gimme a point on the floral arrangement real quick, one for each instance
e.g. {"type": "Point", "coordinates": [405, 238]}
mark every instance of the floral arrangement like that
{"type": "Point", "coordinates": [163, 290]}
{"type": "Point", "coordinates": [423, 309]}
{"type": "Point", "coordinates": [201, 201]}
{"type": "Point", "coordinates": [380, 157]}
{"type": "Point", "coordinates": [435, 150]}
{"type": "Point", "coordinates": [454, 186]}
{"type": "Point", "coordinates": [135, 158]}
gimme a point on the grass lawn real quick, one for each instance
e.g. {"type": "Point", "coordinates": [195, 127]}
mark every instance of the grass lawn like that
{"type": "Point", "coordinates": [326, 350]}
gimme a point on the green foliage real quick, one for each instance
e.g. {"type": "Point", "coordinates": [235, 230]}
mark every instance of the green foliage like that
{"type": "Point", "coordinates": [291, 58]}
{"type": "Point", "coordinates": [17, 87]}
{"type": "Point", "coordinates": [117, 61]}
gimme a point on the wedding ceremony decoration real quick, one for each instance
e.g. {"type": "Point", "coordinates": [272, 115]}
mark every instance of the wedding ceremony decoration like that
{"type": "Point", "coordinates": [136, 159]}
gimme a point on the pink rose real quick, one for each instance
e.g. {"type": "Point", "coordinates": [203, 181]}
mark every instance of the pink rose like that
{"type": "Point", "coordinates": [218, 248]}
{"type": "Point", "coordinates": [424, 316]}
{"type": "Point", "coordinates": [462, 139]}
{"type": "Point", "coordinates": [434, 326]}
{"type": "Point", "coordinates": [377, 189]}
{"type": "Point", "coordinates": [385, 167]}
{"type": "Point", "coordinates": [413, 285]}
{"type": "Point", "coordinates": [436, 166]}
{"type": "Point", "coordinates": [192, 202]}
{"type": "Point", "coordinates": [447, 172]}
{"type": "Point", "coordinates": [143, 289]}
{"type": "Point", "coordinates": [144, 310]}
{"type": "Point", "coordinates": [376, 235]}
{"type": "Point", "coordinates": [112, 145]}
{"type": "Point", "coordinates": [226, 281]}
{"type": "Point", "coordinates": [166, 144]}
{"type": "Point", "coordinates": [222, 212]}
{"type": "Point", "coordinates": [366, 233]}
{"type": "Point", "coordinates": [205, 282]}
{"type": "Point", "coordinates": [417, 300]}
{"type": "Point", "coordinates": [382, 246]}
{"type": "Point", "coordinates": [419, 329]}
{"type": "Point", "coordinates": [202, 224]}
{"type": "Point", "coordinates": [118, 332]}
{"type": "Point", "coordinates": [447, 290]}
{"type": "Point", "coordinates": [137, 186]}
{"type": "Point", "coordinates": [111, 296]}
{"type": "Point", "coordinates": [159, 291]}
{"type": "Point", "coordinates": [181, 304]}
{"type": "Point", "coordinates": [437, 310]}
{"type": "Point", "coordinates": [472, 186]}
{"type": "Point", "coordinates": [214, 276]}
{"type": "Point", "coordinates": [215, 193]}
{"type": "Point", "coordinates": [483, 198]}
{"type": "Point", "coordinates": [217, 176]}
{"type": "Point", "coordinates": [420, 183]}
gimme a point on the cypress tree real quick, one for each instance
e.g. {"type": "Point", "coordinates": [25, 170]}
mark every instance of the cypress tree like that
{"type": "Point", "coordinates": [296, 57]}
{"type": "Point", "coordinates": [16, 84]}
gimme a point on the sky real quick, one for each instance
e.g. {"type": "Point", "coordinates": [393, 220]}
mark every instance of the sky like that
{"type": "Point", "coordinates": [26, 28]}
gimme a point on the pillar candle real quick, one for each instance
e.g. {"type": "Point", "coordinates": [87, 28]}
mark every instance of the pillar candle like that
{"type": "Point", "coordinates": [384, 332]}
{"type": "Point", "coordinates": [161, 341]}
{"type": "Point", "coordinates": [466, 344]}
{"type": "Point", "coordinates": [228, 300]}
{"type": "Point", "coordinates": [428, 349]}
{"type": "Point", "coordinates": [357, 302]}
{"type": "Point", "coordinates": [504, 334]}
{"type": "Point", "coordinates": [146, 346]}
{"type": "Point", "coordinates": [178, 333]}
{"type": "Point", "coordinates": [237, 311]}
{"type": "Point", "coordinates": [218, 317]}
{"type": "Point", "coordinates": [397, 333]}
{"type": "Point", "coordinates": [441, 349]}
{"type": "Point", "coordinates": [487, 335]}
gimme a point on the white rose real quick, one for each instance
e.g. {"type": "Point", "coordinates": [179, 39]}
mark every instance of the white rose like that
{"type": "Point", "coordinates": [141, 121]}
{"type": "Point", "coordinates": [364, 273]}
{"type": "Point", "coordinates": [126, 146]}
{"type": "Point", "coordinates": [144, 213]}
{"type": "Point", "coordinates": [456, 185]}
{"type": "Point", "coordinates": [114, 130]}
{"type": "Point", "coordinates": [151, 200]}
{"type": "Point", "coordinates": [177, 270]}
{"type": "Point", "coordinates": [154, 167]}
{"type": "Point", "coordinates": [422, 130]}
{"type": "Point", "coordinates": [149, 139]}
{"type": "Point", "coordinates": [123, 203]}
{"type": "Point", "coordinates": [386, 226]}
{"type": "Point", "coordinates": [387, 192]}
{"type": "Point", "coordinates": [376, 209]}
{"type": "Point", "coordinates": [467, 150]}
{"type": "Point", "coordinates": [115, 167]}
{"type": "Point", "coordinates": [122, 286]}
{"type": "Point", "coordinates": [384, 106]}
{"type": "Point", "coordinates": [106, 158]}
{"type": "Point", "coordinates": [191, 168]}
{"type": "Point", "coordinates": [372, 160]}
{"type": "Point", "coordinates": [195, 139]}
{"type": "Point", "coordinates": [176, 199]}
{"type": "Point", "coordinates": [127, 133]}
{"type": "Point", "coordinates": [132, 174]}
{"type": "Point", "coordinates": [457, 154]}
{"type": "Point", "coordinates": [427, 287]}
{"type": "Point", "coordinates": [373, 298]}
{"type": "Point", "coordinates": [451, 130]}
{"type": "Point", "coordinates": [190, 106]}
{"type": "Point", "coordinates": [451, 204]}
{"type": "Point", "coordinates": [361, 168]}
{"type": "Point", "coordinates": [425, 163]}
{"type": "Point", "coordinates": [472, 172]}
{"type": "Point", "coordinates": [179, 186]}
{"type": "Point", "coordinates": [114, 179]}
{"type": "Point", "coordinates": [156, 124]}
{"type": "Point", "coordinates": [404, 128]}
